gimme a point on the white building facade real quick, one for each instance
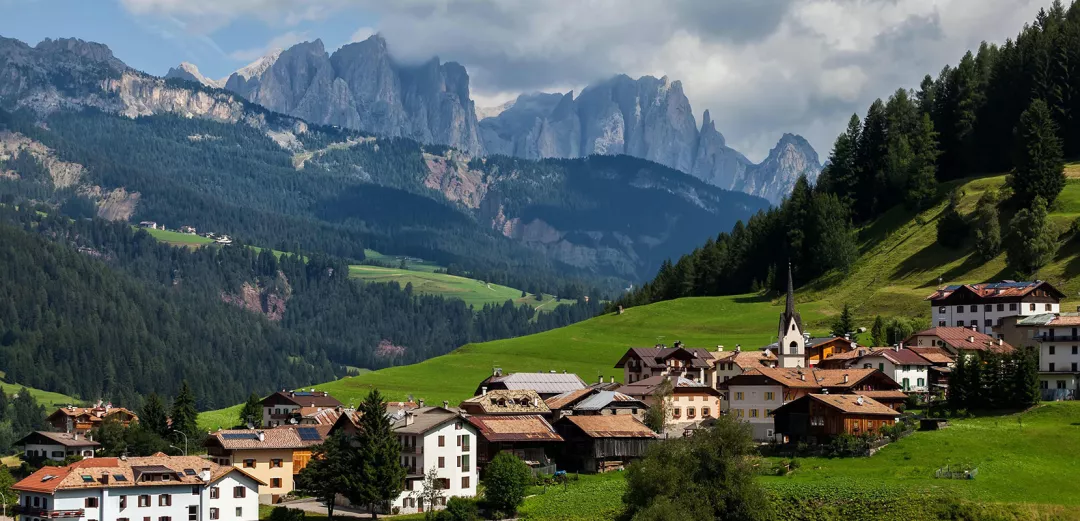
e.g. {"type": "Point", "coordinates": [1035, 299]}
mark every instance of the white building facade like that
{"type": "Point", "coordinates": [754, 404]}
{"type": "Point", "coordinates": [984, 305]}
{"type": "Point", "coordinates": [913, 376]}
{"type": "Point", "coordinates": [444, 441]}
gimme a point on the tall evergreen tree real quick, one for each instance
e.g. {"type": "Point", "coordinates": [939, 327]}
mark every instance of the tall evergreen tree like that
{"type": "Point", "coordinates": [987, 227]}
{"type": "Point", "coordinates": [1040, 167]}
{"type": "Point", "coordinates": [379, 475]}
{"type": "Point", "coordinates": [184, 415]}
{"type": "Point", "coordinates": [834, 240]}
{"type": "Point", "coordinates": [329, 472]}
{"type": "Point", "coordinates": [153, 415]}
{"type": "Point", "coordinates": [798, 213]}
{"type": "Point", "coordinates": [922, 171]}
{"type": "Point", "coordinates": [842, 173]}
{"type": "Point", "coordinates": [845, 323]}
{"type": "Point", "coordinates": [1031, 243]}
{"type": "Point", "coordinates": [952, 229]}
{"type": "Point", "coordinates": [957, 395]}
{"type": "Point", "coordinates": [877, 332]}
{"type": "Point", "coordinates": [872, 157]}
{"type": "Point", "coordinates": [252, 412]}
{"type": "Point", "coordinates": [1025, 381]}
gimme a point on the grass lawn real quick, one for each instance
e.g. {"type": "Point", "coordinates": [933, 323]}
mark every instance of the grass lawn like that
{"type": "Point", "coordinates": [46, 398]}
{"type": "Point", "coordinates": [590, 498]}
{"type": "Point", "coordinates": [179, 239]}
{"type": "Point", "coordinates": [1022, 458]}
{"type": "Point", "coordinates": [474, 292]}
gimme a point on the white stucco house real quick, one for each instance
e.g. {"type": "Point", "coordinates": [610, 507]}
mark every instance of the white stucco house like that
{"type": "Point", "coordinates": [906, 367]}
{"type": "Point", "coordinates": [436, 438]}
{"type": "Point", "coordinates": [155, 488]}
{"type": "Point", "coordinates": [56, 445]}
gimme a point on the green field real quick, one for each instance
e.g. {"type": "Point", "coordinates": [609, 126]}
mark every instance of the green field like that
{"type": "Point", "coordinates": [50, 400]}
{"type": "Point", "coordinates": [179, 239]}
{"type": "Point", "coordinates": [474, 292]}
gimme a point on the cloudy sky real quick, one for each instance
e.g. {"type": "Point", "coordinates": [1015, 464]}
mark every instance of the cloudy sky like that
{"type": "Point", "coordinates": [762, 67]}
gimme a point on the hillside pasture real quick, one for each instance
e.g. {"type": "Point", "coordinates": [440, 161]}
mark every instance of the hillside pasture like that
{"type": "Point", "coordinates": [475, 293]}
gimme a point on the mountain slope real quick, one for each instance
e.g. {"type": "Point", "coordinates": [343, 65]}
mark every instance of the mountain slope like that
{"type": "Point", "coordinates": [296, 187]}
{"type": "Point", "coordinates": [649, 118]}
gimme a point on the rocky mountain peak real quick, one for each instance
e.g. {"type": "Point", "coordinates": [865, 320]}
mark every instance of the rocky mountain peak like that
{"type": "Point", "coordinates": [188, 71]}
{"type": "Point", "coordinates": [93, 51]}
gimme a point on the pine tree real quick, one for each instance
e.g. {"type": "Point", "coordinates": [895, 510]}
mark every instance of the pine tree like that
{"type": "Point", "coordinates": [922, 171]}
{"type": "Point", "coordinates": [952, 229]}
{"type": "Point", "coordinates": [184, 415]}
{"type": "Point", "coordinates": [252, 412]}
{"type": "Point", "coordinates": [924, 97]}
{"type": "Point", "coordinates": [379, 473]}
{"type": "Point", "coordinates": [329, 472]}
{"type": "Point", "coordinates": [1040, 167]}
{"type": "Point", "coordinates": [798, 212]}
{"type": "Point", "coordinates": [832, 236]}
{"type": "Point", "coordinates": [877, 332]}
{"type": "Point", "coordinates": [153, 415]}
{"type": "Point", "coordinates": [842, 173]}
{"type": "Point", "coordinates": [957, 395]}
{"type": "Point", "coordinates": [1025, 381]}
{"type": "Point", "coordinates": [845, 323]}
{"type": "Point", "coordinates": [987, 227]}
{"type": "Point", "coordinates": [1031, 243]}
{"type": "Point", "coordinates": [872, 158]}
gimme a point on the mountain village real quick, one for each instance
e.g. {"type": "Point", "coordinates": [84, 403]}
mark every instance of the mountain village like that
{"type": "Point", "coordinates": [799, 390]}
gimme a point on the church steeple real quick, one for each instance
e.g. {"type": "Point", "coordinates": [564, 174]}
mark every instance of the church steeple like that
{"type": "Point", "coordinates": [790, 341]}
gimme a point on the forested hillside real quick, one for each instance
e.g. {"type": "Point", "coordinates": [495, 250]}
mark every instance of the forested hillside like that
{"type": "Point", "coordinates": [1010, 108]}
{"type": "Point", "coordinates": [97, 310]}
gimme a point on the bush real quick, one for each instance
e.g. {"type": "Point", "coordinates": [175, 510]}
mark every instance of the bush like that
{"type": "Point", "coordinates": [505, 481]}
{"type": "Point", "coordinates": [459, 509]}
{"type": "Point", "coordinates": [286, 514]}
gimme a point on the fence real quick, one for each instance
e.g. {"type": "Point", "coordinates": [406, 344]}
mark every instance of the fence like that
{"type": "Point", "coordinates": [961, 472]}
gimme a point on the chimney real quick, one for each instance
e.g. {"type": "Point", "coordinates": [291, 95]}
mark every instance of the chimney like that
{"type": "Point", "coordinates": [483, 391]}
{"type": "Point", "coordinates": [75, 436]}
{"type": "Point", "coordinates": [204, 474]}
{"type": "Point", "coordinates": [845, 378]}
{"type": "Point", "coordinates": [599, 378]}
{"type": "Point", "coordinates": [802, 376]}
{"type": "Point", "coordinates": [1001, 342]}
{"type": "Point", "coordinates": [720, 349]}
{"type": "Point", "coordinates": [445, 404]}
{"type": "Point", "coordinates": [974, 327]}
{"type": "Point", "coordinates": [971, 339]}
{"type": "Point", "coordinates": [847, 336]}
{"type": "Point", "coordinates": [858, 401]}
{"type": "Point", "coordinates": [535, 401]}
{"type": "Point", "coordinates": [611, 379]}
{"type": "Point", "coordinates": [262, 436]}
{"type": "Point", "coordinates": [409, 418]}
{"type": "Point", "coordinates": [104, 478]}
{"type": "Point", "coordinates": [421, 402]}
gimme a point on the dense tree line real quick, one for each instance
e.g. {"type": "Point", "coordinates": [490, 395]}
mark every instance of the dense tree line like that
{"type": "Point", "coordinates": [146, 316]}
{"type": "Point", "coordinates": [1010, 108]}
{"type": "Point", "coordinates": [20, 414]}
{"type": "Point", "coordinates": [990, 380]}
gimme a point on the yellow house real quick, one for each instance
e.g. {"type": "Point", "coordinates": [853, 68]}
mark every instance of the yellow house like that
{"type": "Point", "coordinates": [274, 456]}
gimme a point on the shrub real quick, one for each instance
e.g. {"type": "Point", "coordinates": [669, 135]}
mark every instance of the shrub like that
{"type": "Point", "coordinates": [459, 509]}
{"type": "Point", "coordinates": [505, 482]}
{"type": "Point", "coordinates": [286, 514]}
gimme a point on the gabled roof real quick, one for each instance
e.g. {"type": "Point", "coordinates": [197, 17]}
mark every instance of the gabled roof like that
{"type": "Point", "coordinates": [900, 356]}
{"type": "Point", "coordinates": [656, 357]}
{"type": "Point", "coordinates": [884, 395]}
{"type": "Point", "coordinates": [568, 398]}
{"type": "Point", "coordinates": [514, 428]}
{"type": "Point", "coordinates": [285, 437]}
{"type": "Point", "coordinates": [503, 401]}
{"type": "Point", "coordinates": [857, 353]}
{"type": "Point", "coordinates": [97, 473]}
{"type": "Point", "coordinates": [59, 438]}
{"type": "Point", "coordinates": [1051, 319]}
{"type": "Point", "coordinates": [964, 339]}
{"type": "Point", "coordinates": [609, 426]}
{"type": "Point", "coordinates": [854, 404]}
{"type": "Point", "coordinates": [935, 355]}
{"type": "Point", "coordinates": [602, 399]}
{"type": "Point", "coordinates": [94, 414]}
{"type": "Point", "coordinates": [811, 378]}
{"type": "Point", "coordinates": [679, 385]}
{"type": "Point", "coordinates": [542, 383]}
{"type": "Point", "coordinates": [302, 399]}
{"type": "Point", "coordinates": [746, 359]}
{"type": "Point", "coordinates": [996, 290]}
{"type": "Point", "coordinates": [425, 419]}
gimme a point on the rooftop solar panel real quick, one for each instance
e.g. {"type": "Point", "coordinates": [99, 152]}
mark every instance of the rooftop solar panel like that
{"type": "Point", "coordinates": [240, 436]}
{"type": "Point", "coordinates": [189, 472]}
{"type": "Point", "coordinates": [308, 434]}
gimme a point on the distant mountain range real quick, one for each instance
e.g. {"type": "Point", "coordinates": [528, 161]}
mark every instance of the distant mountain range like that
{"type": "Point", "coordinates": [360, 86]}
{"type": "Point", "coordinates": [184, 153]}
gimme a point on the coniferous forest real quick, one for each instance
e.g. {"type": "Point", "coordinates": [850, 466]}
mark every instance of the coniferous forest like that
{"type": "Point", "coordinates": [97, 309]}
{"type": "Point", "coordinates": [1013, 108]}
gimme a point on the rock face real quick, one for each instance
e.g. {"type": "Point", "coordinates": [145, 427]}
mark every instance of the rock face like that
{"type": "Point", "coordinates": [188, 71]}
{"type": "Point", "coordinates": [359, 86]}
{"type": "Point", "coordinates": [649, 118]}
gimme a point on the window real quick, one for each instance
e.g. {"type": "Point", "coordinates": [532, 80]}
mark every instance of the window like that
{"type": "Point", "coordinates": [739, 396]}
{"type": "Point", "coordinates": [768, 412]}
{"type": "Point", "coordinates": [214, 514]}
{"type": "Point", "coordinates": [239, 512]}
{"type": "Point", "coordinates": [907, 384]}
{"type": "Point", "coordinates": [921, 382]}
{"type": "Point", "coordinates": [164, 518]}
{"type": "Point", "coordinates": [1044, 385]}
{"type": "Point", "coordinates": [1012, 307]}
{"type": "Point", "coordinates": [1001, 307]}
{"type": "Point", "coordinates": [881, 366]}
{"type": "Point", "coordinates": [907, 367]}
{"type": "Point", "coordinates": [959, 309]}
{"type": "Point", "coordinates": [739, 413]}
{"type": "Point", "coordinates": [123, 502]}
{"type": "Point", "coordinates": [275, 463]}
{"type": "Point", "coordinates": [1061, 384]}
{"type": "Point", "coordinates": [793, 348]}
{"type": "Point", "coordinates": [195, 490]}
{"type": "Point", "coordinates": [941, 323]}
{"type": "Point", "coordinates": [988, 307]}
{"type": "Point", "coordinates": [1074, 350]}
{"type": "Point", "coordinates": [458, 462]}
{"type": "Point", "coordinates": [238, 492]}
{"type": "Point", "coordinates": [193, 513]}
{"type": "Point", "coordinates": [457, 426]}
{"type": "Point", "coordinates": [58, 454]}
{"type": "Point", "coordinates": [753, 413]}
{"type": "Point", "coordinates": [1051, 348]}
{"type": "Point", "coordinates": [465, 464]}
{"type": "Point", "coordinates": [988, 322]}
{"type": "Point", "coordinates": [144, 500]}
{"type": "Point", "coordinates": [817, 421]}
{"type": "Point", "coordinates": [959, 323]}
{"type": "Point", "coordinates": [275, 482]}
{"type": "Point", "coordinates": [215, 493]}
{"type": "Point", "coordinates": [249, 464]}
{"type": "Point", "coordinates": [705, 412]}
{"type": "Point", "coordinates": [465, 482]}
{"type": "Point", "coordinates": [442, 441]}
{"type": "Point", "coordinates": [974, 308]}
{"type": "Point", "coordinates": [691, 413]}
{"type": "Point", "coordinates": [770, 395]}
{"type": "Point", "coordinates": [442, 462]}
{"type": "Point", "coordinates": [1031, 307]}
{"type": "Point", "coordinates": [676, 412]}
{"type": "Point", "coordinates": [1051, 367]}
{"type": "Point", "coordinates": [974, 323]}
{"type": "Point", "coordinates": [1049, 307]}
{"type": "Point", "coordinates": [941, 309]}
{"type": "Point", "coordinates": [122, 519]}
{"type": "Point", "coordinates": [164, 500]}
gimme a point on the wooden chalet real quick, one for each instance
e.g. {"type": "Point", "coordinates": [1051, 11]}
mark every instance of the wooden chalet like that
{"type": "Point", "coordinates": [598, 443]}
{"type": "Point", "coordinates": [84, 419]}
{"type": "Point", "coordinates": [529, 437]}
{"type": "Point", "coordinates": [825, 348]}
{"type": "Point", "coordinates": [816, 418]}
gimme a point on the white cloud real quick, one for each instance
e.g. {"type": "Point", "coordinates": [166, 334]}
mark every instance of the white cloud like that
{"type": "Point", "coordinates": [281, 41]}
{"type": "Point", "coordinates": [361, 34]}
{"type": "Point", "coordinates": [762, 67]}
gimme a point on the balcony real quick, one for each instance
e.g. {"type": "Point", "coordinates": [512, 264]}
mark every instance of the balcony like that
{"type": "Point", "coordinates": [412, 449]}
{"type": "Point", "coordinates": [48, 514]}
{"type": "Point", "coordinates": [1057, 338]}
{"type": "Point", "coordinates": [464, 448]}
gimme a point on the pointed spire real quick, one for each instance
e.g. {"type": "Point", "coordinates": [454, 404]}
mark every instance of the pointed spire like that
{"type": "Point", "coordinates": [789, 309]}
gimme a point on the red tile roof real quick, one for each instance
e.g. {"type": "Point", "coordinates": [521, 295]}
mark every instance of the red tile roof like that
{"type": "Point", "coordinates": [935, 355]}
{"type": "Point", "coordinates": [901, 356]}
{"type": "Point", "coordinates": [962, 338]}
{"type": "Point", "coordinates": [48, 480]}
{"type": "Point", "coordinates": [996, 290]}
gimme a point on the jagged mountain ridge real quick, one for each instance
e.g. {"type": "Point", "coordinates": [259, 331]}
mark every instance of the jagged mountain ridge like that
{"type": "Point", "coordinates": [360, 86]}
{"type": "Point", "coordinates": [649, 118]}
{"type": "Point", "coordinates": [612, 216]}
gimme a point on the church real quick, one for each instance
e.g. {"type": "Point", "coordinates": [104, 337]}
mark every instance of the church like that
{"type": "Point", "coordinates": [791, 340]}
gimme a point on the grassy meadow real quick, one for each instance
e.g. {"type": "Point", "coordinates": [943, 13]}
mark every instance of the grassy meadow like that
{"type": "Point", "coordinates": [46, 398]}
{"type": "Point", "coordinates": [475, 293]}
{"type": "Point", "coordinates": [179, 239]}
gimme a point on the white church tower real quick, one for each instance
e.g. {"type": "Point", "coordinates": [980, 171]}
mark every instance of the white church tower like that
{"type": "Point", "coordinates": [790, 341]}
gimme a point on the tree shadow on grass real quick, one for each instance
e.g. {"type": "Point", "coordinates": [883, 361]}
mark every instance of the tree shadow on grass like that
{"type": "Point", "coordinates": [756, 298]}
{"type": "Point", "coordinates": [929, 260]}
